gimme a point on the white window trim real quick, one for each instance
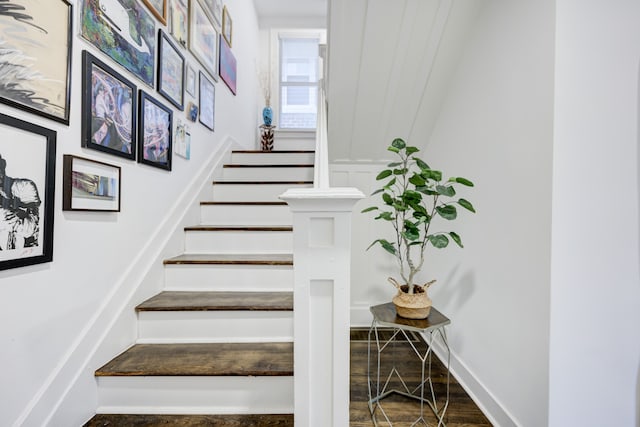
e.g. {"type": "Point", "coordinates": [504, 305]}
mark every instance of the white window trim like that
{"type": "Point", "coordinates": [274, 64]}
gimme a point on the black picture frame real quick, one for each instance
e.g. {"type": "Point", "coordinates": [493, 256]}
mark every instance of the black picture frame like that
{"type": "Point", "coordinates": [27, 176]}
{"type": "Point", "coordinates": [109, 106]}
{"type": "Point", "coordinates": [171, 71]}
{"type": "Point", "coordinates": [155, 143]}
{"type": "Point", "coordinates": [90, 185]}
{"type": "Point", "coordinates": [207, 100]}
{"type": "Point", "coordinates": [38, 36]}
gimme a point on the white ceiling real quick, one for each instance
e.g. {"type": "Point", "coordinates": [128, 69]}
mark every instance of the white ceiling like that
{"type": "Point", "coordinates": [269, 9]}
{"type": "Point", "coordinates": [389, 66]}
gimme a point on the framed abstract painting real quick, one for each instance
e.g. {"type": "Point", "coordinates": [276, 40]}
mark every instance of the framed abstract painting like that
{"type": "Point", "coordinates": [203, 38]}
{"type": "Point", "coordinates": [109, 104]}
{"type": "Point", "coordinates": [124, 31]}
{"type": "Point", "coordinates": [207, 101]}
{"type": "Point", "coordinates": [171, 66]}
{"type": "Point", "coordinates": [27, 177]}
{"type": "Point", "coordinates": [228, 65]}
{"type": "Point", "coordinates": [155, 133]}
{"type": "Point", "coordinates": [35, 59]}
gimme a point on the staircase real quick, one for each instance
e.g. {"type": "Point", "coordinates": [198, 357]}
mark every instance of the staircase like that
{"type": "Point", "coordinates": [216, 346]}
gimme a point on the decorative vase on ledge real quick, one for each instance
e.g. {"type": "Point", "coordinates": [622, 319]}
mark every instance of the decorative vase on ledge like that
{"type": "Point", "coordinates": [267, 115]}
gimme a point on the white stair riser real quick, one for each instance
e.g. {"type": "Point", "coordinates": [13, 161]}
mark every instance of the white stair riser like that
{"type": "Point", "coordinates": [238, 242]}
{"type": "Point", "coordinates": [268, 174]}
{"type": "Point", "coordinates": [252, 192]}
{"type": "Point", "coordinates": [272, 158]}
{"type": "Point", "coordinates": [246, 215]}
{"type": "Point", "coordinates": [257, 278]}
{"type": "Point", "coordinates": [195, 395]}
{"type": "Point", "coordinates": [215, 326]}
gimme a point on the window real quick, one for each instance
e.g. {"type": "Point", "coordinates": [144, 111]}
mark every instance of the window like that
{"type": "Point", "coordinates": [298, 82]}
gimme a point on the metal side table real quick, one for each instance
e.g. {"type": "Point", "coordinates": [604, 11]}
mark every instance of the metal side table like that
{"type": "Point", "coordinates": [384, 316]}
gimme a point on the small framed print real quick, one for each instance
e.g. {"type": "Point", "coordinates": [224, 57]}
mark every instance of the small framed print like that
{"type": "Point", "coordinates": [27, 181]}
{"type": "Point", "coordinates": [89, 185]}
{"type": "Point", "coordinates": [170, 71]}
{"type": "Point", "coordinates": [154, 139]}
{"type": "Point", "coordinates": [207, 101]}
{"type": "Point", "coordinates": [158, 8]}
{"type": "Point", "coordinates": [190, 85]}
{"type": "Point", "coordinates": [109, 103]}
{"type": "Point", "coordinates": [179, 21]}
{"type": "Point", "coordinates": [182, 140]}
{"type": "Point", "coordinates": [227, 25]}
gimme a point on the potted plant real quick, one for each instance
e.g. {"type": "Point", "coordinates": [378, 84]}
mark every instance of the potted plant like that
{"type": "Point", "coordinates": [414, 196]}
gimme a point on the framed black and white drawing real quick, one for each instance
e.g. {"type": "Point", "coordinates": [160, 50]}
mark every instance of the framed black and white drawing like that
{"type": "Point", "coordinates": [89, 185]}
{"type": "Point", "coordinates": [170, 71]}
{"type": "Point", "coordinates": [207, 101]}
{"type": "Point", "coordinates": [155, 138]}
{"type": "Point", "coordinates": [108, 109]}
{"type": "Point", "coordinates": [35, 59]}
{"type": "Point", "coordinates": [27, 181]}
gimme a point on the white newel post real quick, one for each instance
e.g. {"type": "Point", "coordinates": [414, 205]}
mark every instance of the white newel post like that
{"type": "Point", "coordinates": [322, 258]}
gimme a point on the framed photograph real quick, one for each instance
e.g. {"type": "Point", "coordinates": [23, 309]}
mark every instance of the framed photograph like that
{"type": "Point", "coordinates": [207, 101]}
{"type": "Point", "coordinates": [124, 31]}
{"type": "Point", "coordinates": [109, 104]}
{"type": "Point", "coordinates": [89, 185]}
{"type": "Point", "coordinates": [158, 8]}
{"type": "Point", "coordinates": [154, 139]}
{"type": "Point", "coordinates": [27, 177]}
{"type": "Point", "coordinates": [228, 66]}
{"type": "Point", "coordinates": [170, 71]}
{"type": "Point", "coordinates": [227, 25]}
{"type": "Point", "coordinates": [35, 59]}
{"type": "Point", "coordinates": [182, 140]}
{"type": "Point", "coordinates": [203, 38]}
{"type": "Point", "coordinates": [192, 112]}
{"type": "Point", "coordinates": [179, 21]}
{"type": "Point", "coordinates": [190, 85]}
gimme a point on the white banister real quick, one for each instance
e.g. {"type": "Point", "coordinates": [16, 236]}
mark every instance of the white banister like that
{"type": "Point", "coordinates": [321, 170]}
{"type": "Point", "coordinates": [322, 264]}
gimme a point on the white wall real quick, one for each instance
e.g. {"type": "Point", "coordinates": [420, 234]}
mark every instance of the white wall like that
{"type": "Point", "coordinates": [495, 128]}
{"type": "Point", "coordinates": [54, 316]}
{"type": "Point", "coordinates": [595, 279]}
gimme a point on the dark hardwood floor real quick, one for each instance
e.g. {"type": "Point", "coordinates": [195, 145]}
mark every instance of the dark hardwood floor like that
{"type": "Point", "coordinates": [402, 411]}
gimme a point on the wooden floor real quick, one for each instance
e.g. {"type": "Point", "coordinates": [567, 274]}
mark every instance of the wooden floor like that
{"type": "Point", "coordinates": [462, 412]}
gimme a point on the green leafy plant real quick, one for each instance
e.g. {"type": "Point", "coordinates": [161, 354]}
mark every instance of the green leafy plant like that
{"type": "Point", "coordinates": [413, 196]}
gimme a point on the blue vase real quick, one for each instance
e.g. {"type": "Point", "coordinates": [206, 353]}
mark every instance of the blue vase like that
{"type": "Point", "coordinates": [267, 115]}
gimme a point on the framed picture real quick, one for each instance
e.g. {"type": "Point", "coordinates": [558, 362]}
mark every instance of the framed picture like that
{"type": "Point", "coordinates": [213, 8]}
{"type": "Point", "coordinates": [109, 104]}
{"type": "Point", "coordinates": [182, 140]}
{"type": "Point", "coordinates": [154, 139]}
{"type": "Point", "coordinates": [192, 112]}
{"type": "Point", "coordinates": [170, 71]}
{"type": "Point", "coordinates": [89, 185]}
{"type": "Point", "coordinates": [124, 31]}
{"type": "Point", "coordinates": [158, 8]}
{"type": "Point", "coordinates": [203, 38]}
{"type": "Point", "coordinates": [190, 85]}
{"type": "Point", "coordinates": [207, 101]}
{"type": "Point", "coordinates": [228, 66]}
{"type": "Point", "coordinates": [35, 60]}
{"type": "Point", "coordinates": [179, 21]}
{"type": "Point", "coordinates": [227, 25]}
{"type": "Point", "coordinates": [27, 177]}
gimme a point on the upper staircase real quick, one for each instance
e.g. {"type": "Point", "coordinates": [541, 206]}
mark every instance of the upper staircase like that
{"type": "Point", "coordinates": [216, 346]}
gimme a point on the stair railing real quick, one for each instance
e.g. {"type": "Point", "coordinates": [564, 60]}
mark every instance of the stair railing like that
{"type": "Point", "coordinates": [322, 276]}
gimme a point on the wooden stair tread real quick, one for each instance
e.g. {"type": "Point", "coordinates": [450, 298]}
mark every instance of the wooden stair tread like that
{"type": "Point", "coordinates": [203, 227]}
{"type": "Point", "coordinates": [276, 165]}
{"type": "Point", "coordinates": [203, 359]}
{"type": "Point", "coordinates": [240, 259]}
{"type": "Point", "coordinates": [263, 182]}
{"type": "Point", "coordinates": [244, 203]}
{"type": "Point", "coordinates": [152, 420]}
{"type": "Point", "coordinates": [209, 301]}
